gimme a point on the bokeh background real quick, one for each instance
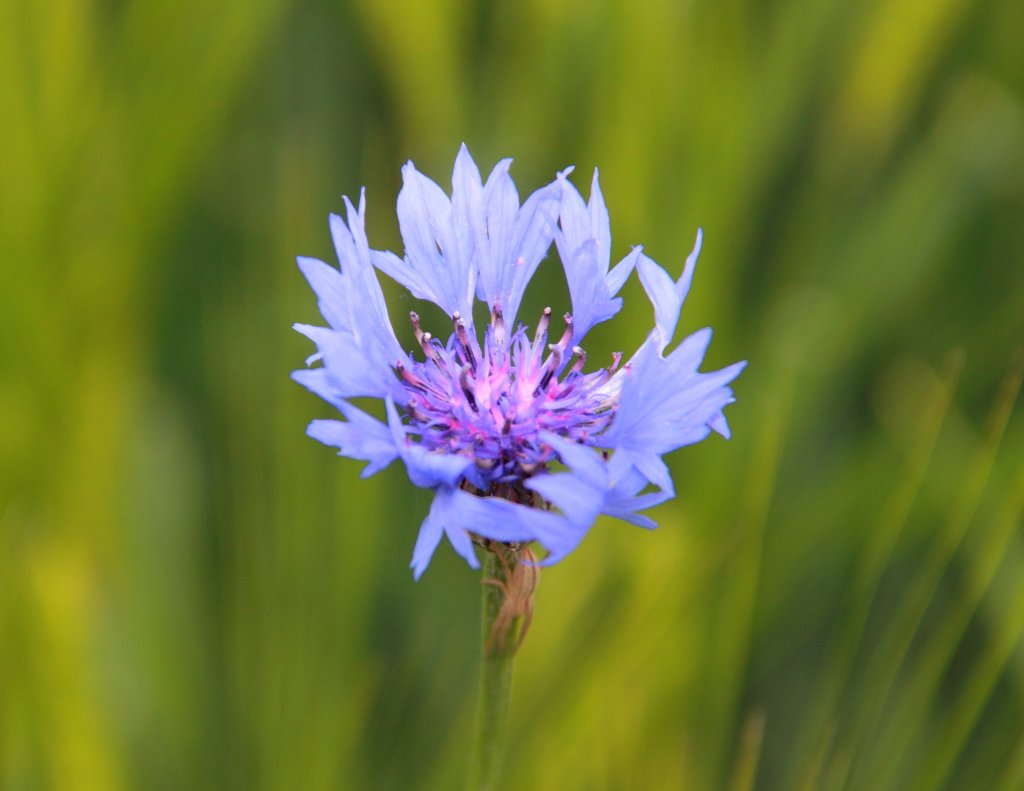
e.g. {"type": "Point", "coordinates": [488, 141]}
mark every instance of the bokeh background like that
{"type": "Point", "coordinates": [195, 595]}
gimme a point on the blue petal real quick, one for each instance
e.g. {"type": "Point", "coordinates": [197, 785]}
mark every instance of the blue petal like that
{"type": "Point", "coordinates": [425, 468]}
{"type": "Point", "coordinates": [462, 544]}
{"type": "Point", "coordinates": [369, 322]}
{"type": "Point", "coordinates": [438, 264]}
{"type": "Point", "coordinates": [592, 486]}
{"type": "Point", "coordinates": [562, 542]}
{"type": "Point", "coordinates": [531, 240]}
{"type": "Point", "coordinates": [719, 424]}
{"type": "Point", "coordinates": [625, 497]}
{"type": "Point", "coordinates": [427, 540]}
{"type": "Point", "coordinates": [361, 437]}
{"type": "Point", "coordinates": [317, 335]}
{"type": "Point", "coordinates": [622, 270]}
{"type": "Point", "coordinates": [650, 465]}
{"type": "Point", "coordinates": [501, 520]}
{"type": "Point", "coordinates": [481, 241]}
{"type": "Point", "coordinates": [664, 402]}
{"type": "Point", "coordinates": [580, 502]}
{"type": "Point", "coordinates": [592, 302]}
{"type": "Point", "coordinates": [319, 383]}
{"type": "Point", "coordinates": [443, 517]}
{"type": "Point", "coordinates": [428, 469]}
{"type": "Point", "coordinates": [668, 296]}
{"type": "Point", "coordinates": [584, 461]}
{"type": "Point", "coordinates": [492, 228]}
{"type": "Point", "coordinates": [577, 498]}
{"type": "Point", "coordinates": [511, 240]}
{"type": "Point", "coordinates": [581, 222]}
{"type": "Point", "coordinates": [584, 245]}
{"type": "Point", "coordinates": [352, 369]}
{"type": "Point", "coordinates": [580, 491]}
{"type": "Point", "coordinates": [467, 211]}
{"type": "Point", "coordinates": [360, 345]}
{"type": "Point", "coordinates": [456, 514]}
{"type": "Point", "coordinates": [329, 287]}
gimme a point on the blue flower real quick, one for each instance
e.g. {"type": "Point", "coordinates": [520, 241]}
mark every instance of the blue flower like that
{"type": "Point", "coordinates": [518, 441]}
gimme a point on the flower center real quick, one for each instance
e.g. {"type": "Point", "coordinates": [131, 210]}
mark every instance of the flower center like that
{"type": "Point", "coordinates": [492, 401]}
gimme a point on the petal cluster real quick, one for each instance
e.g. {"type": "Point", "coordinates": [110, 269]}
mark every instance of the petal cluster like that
{"type": "Point", "coordinates": [520, 439]}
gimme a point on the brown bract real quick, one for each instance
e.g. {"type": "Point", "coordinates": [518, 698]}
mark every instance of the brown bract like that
{"type": "Point", "coordinates": [519, 577]}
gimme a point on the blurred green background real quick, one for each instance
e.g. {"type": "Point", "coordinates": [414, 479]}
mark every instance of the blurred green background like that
{"type": "Point", "coordinates": [195, 595]}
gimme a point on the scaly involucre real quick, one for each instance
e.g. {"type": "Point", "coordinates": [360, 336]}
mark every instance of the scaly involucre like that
{"type": "Point", "coordinates": [481, 417]}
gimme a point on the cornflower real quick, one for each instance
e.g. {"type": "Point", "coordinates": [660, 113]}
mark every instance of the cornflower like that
{"type": "Point", "coordinates": [519, 438]}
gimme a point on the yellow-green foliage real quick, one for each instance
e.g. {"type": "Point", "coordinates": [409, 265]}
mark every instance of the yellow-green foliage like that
{"type": "Point", "coordinates": [195, 595]}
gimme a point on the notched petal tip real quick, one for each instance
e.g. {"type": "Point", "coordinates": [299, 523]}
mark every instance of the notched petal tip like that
{"type": "Point", "coordinates": [351, 212]}
{"type": "Point", "coordinates": [719, 425]}
{"type": "Point", "coordinates": [306, 262]}
{"type": "Point", "coordinates": [426, 542]}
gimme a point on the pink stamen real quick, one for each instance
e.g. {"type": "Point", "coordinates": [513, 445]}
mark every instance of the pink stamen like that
{"type": "Point", "coordinates": [566, 339]}
{"type": "Point", "coordinates": [463, 336]}
{"type": "Point", "coordinates": [415, 319]}
{"type": "Point", "coordinates": [428, 347]}
{"type": "Point", "coordinates": [498, 323]}
{"type": "Point", "coordinates": [542, 326]}
{"type": "Point", "coordinates": [466, 389]}
{"type": "Point", "coordinates": [581, 359]}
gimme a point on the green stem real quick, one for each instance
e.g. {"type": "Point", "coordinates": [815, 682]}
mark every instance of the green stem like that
{"type": "Point", "coordinates": [495, 682]}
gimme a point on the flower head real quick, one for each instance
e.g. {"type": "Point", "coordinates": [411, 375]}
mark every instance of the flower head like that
{"type": "Point", "coordinates": [520, 439]}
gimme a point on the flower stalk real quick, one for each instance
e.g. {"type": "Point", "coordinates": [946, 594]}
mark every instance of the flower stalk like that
{"type": "Point", "coordinates": [508, 580]}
